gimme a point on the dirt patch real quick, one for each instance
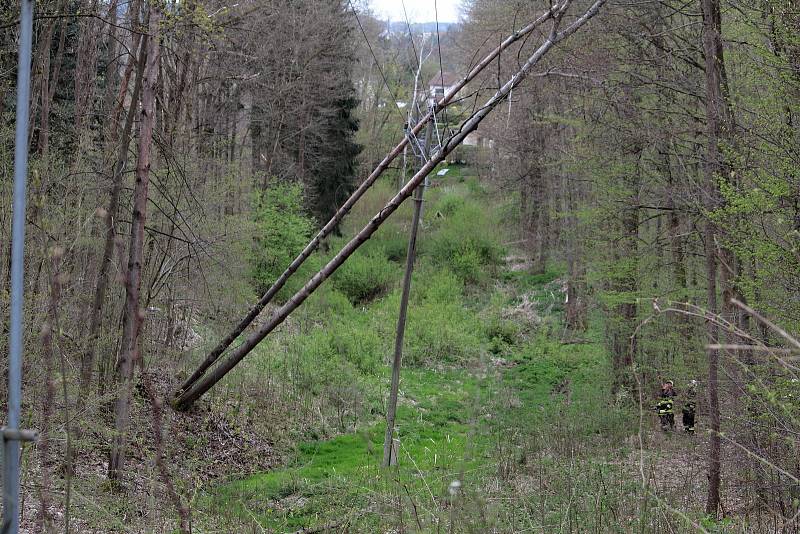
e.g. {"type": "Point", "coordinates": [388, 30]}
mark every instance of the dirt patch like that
{"type": "Point", "coordinates": [200, 446]}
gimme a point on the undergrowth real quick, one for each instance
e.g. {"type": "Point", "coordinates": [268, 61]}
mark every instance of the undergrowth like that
{"type": "Point", "coordinates": [503, 426]}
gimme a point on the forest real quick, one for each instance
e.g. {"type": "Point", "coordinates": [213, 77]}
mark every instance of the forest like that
{"type": "Point", "coordinates": [288, 266]}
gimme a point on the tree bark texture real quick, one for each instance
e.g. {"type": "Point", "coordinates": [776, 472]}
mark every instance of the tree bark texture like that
{"type": "Point", "coordinates": [133, 316]}
{"type": "Point", "coordinates": [712, 48]}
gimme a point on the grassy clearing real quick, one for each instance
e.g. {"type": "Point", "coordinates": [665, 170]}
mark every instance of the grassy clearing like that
{"type": "Point", "coordinates": [329, 478]}
{"type": "Point", "coordinates": [491, 401]}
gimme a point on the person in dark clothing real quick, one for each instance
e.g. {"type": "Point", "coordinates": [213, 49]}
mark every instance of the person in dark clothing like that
{"type": "Point", "coordinates": [690, 408]}
{"type": "Point", "coordinates": [665, 406]}
{"type": "Point", "coordinates": [688, 417]}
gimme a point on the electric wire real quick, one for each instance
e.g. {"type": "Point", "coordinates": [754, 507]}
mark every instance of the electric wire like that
{"type": "Point", "coordinates": [410, 34]}
{"type": "Point", "coordinates": [377, 63]}
{"type": "Point", "coordinates": [439, 46]}
{"type": "Point", "coordinates": [417, 60]}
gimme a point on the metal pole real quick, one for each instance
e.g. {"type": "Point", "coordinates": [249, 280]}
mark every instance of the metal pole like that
{"type": "Point", "coordinates": [12, 435]}
{"type": "Point", "coordinates": [389, 450]}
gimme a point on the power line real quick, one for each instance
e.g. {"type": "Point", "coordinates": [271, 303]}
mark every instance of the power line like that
{"type": "Point", "coordinates": [439, 46]}
{"type": "Point", "coordinates": [410, 35]}
{"type": "Point", "coordinates": [377, 63]}
{"type": "Point", "coordinates": [202, 381]}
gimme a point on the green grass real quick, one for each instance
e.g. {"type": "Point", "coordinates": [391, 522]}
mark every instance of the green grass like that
{"type": "Point", "coordinates": [434, 410]}
{"type": "Point", "coordinates": [444, 433]}
{"type": "Point", "coordinates": [527, 280]}
{"type": "Point", "coordinates": [460, 415]}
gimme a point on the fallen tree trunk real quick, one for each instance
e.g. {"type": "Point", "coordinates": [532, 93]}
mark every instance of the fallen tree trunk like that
{"type": "Point", "coordinates": [194, 389]}
{"type": "Point", "coordinates": [313, 245]}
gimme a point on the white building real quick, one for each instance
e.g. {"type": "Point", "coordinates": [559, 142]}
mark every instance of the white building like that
{"type": "Point", "coordinates": [442, 83]}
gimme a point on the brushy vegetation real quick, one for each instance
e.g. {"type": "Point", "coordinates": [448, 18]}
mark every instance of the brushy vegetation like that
{"type": "Point", "coordinates": [366, 274]}
{"type": "Point", "coordinates": [464, 238]}
{"type": "Point", "coordinates": [521, 419]}
{"type": "Point", "coordinates": [282, 229]}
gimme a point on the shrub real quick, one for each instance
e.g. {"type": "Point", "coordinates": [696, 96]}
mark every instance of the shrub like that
{"type": "Point", "coordinates": [467, 264]}
{"type": "Point", "coordinates": [391, 241]}
{"type": "Point", "coordinates": [343, 340]}
{"type": "Point", "coordinates": [282, 229]}
{"type": "Point", "coordinates": [475, 186]}
{"type": "Point", "coordinates": [438, 285]}
{"type": "Point", "coordinates": [448, 205]}
{"type": "Point", "coordinates": [464, 241]}
{"type": "Point", "coordinates": [396, 247]}
{"type": "Point", "coordinates": [328, 302]}
{"type": "Point", "coordinates": [442, 332]}
{"type": "Point", "coordinates": [365, 275]}
{"type": "Point", "coordinates": [505, 331]}
{"type": "Point", "coordinates": [357, 343]}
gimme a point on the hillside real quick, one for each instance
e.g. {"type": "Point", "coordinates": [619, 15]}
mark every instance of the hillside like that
{"type": "Point", "coordinates": [208, 211]}
{"type": "Point", "coordinates": [498, 424]}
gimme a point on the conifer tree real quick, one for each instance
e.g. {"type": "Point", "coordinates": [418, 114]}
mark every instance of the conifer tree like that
{"type": "Point", "coordinates": [334, 176]}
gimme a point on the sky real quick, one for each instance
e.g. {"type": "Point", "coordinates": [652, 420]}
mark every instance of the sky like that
{"type": "Point", "coordinates": [418, 10]}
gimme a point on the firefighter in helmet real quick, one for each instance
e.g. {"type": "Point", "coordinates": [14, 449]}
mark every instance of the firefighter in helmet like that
{"type": "Point", "coordinates": [690, 408]}
{"type": "Point", "coordinates": [665, 406]}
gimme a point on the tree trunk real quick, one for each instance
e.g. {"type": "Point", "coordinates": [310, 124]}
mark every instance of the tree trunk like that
{"type": "Point", "coordinates": [111, 71]}
{"type": "Point", "coordinates": [623, 346]}
{"type": "Point", "coordinates": [542, 218]}
{"type": "Point", "coordinates": [96, 312]}
{"type": "Point", "coordinates": [575, 312]}
{"type": "Point", "coordinates": [85, 74]}
{"type": "Point", "coordinates": [712, 48]}
{"type": "Point", "coordinates": [133, 317]}
{"type": "Point", "coordinates": [45, 519]}
{"type": "Point", "coordinates": [43, 141]}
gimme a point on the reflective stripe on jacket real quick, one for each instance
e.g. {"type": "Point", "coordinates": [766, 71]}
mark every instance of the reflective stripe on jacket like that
{"type": "Point", "coordinates": [664, 406]}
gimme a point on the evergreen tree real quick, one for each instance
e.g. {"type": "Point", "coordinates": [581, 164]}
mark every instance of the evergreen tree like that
{"type": "Point", "coordinates": [334, 176]}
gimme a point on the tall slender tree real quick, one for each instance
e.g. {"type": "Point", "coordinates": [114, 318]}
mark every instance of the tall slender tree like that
{"type": "Point", "coordinates": [133, 316]}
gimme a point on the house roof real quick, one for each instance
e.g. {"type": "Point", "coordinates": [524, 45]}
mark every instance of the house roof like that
{"type": "Point", "coordinates": [448, 77]}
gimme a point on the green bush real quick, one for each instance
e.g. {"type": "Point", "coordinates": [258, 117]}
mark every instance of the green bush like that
{"type": "Point", "coordinates": [475, 186]}
{"type": "Point", "coordinates": [442, 332]}
{"type": "Point", "coordinates": [394, 244]}
{"type": "Point", "coordinates": [527, 280]}
{"type": "Point", "coordinates": [328, 302]}
{"type": "Point", "coordinates": [365, 275]}
{"type": "Point", "coordinates": [505, 331]}
{"type": "Point", "coordinates": [448, 205]}
{"type": "Point", "coordinates": [437, 285]}
{"type": "Point", "coordinates": [357, 343]}
{"type": "Point", "coordinates": [344, 341]}
{"type": "Point", "coordinates": [465, 240]}
{"type": "Point", "coordinates": [282, 229]}
{"type": "Point", "coordinates": [547, 363]}
{"type": "Point", "coordinates": [466, 262]}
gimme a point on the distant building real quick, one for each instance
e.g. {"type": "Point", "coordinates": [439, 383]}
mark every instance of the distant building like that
{"type": "Point", "coordinates": [477, 139]}
{"type": "Point", "coordinates": [417, 28]}
{"type": "Point", "coordinates": [441, 83]}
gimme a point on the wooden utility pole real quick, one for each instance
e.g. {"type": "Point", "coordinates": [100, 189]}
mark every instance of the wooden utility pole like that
{"type": "Point", "coordinates": [389, 453]}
